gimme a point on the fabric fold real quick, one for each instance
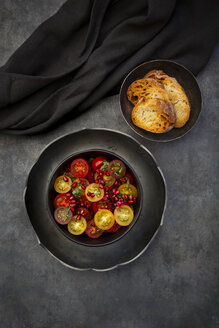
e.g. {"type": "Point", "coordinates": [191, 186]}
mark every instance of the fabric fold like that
{"type": "Point", "coordinates": [85, 50]}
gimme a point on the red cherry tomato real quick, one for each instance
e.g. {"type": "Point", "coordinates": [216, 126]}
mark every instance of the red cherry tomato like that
{"type": "Point", "coordinates": [79, 168]}
{"type": "Point", "coordinates": [61, 200]}
{"type": "Point", "coordinates": [98, 162]}
{"type": "Point", "coordinates": [92, 231]}
{"type": "Point", "coordinates": [90, 175]}
{"type": "Point", "coordinates": [101, 205]}
{"type": "Point", "coordinates": [85, 201]}
{"type": "Point", "coordinates": [114, 228]}
{"type": "Point", "coordinates": [126, 177]}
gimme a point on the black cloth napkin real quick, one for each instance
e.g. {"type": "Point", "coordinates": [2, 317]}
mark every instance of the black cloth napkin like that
{"type": "Point", "coordinates": [84, 51]}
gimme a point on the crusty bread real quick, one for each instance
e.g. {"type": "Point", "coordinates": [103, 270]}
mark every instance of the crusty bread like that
{"type": "Point", "coordinates": [146, 88]}
{"type": "Point", "coordinates": [176, 95]}
{"type": "Point", "coordinates": [154, 115]}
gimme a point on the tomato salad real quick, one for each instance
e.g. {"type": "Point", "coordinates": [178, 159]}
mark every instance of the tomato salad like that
{"type": "Point", "coordinates": [95, 196]}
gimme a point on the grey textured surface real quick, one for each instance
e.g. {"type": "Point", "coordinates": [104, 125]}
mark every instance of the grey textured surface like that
{"type": "Point", "coordinates": [174, 284]}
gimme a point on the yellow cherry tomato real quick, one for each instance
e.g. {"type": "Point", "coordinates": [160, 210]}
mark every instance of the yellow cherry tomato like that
{"type": "Point", "coordinates": [109, 180]}
{"type": "Point", "coordinates": [124, 215]}
{"type": "Point", "coordinates": [128, 189]}
{"type": "Point", "coordinates": [62, 184]}
{"type": "Point", "coordinates": [104, 219]}
{"type": "Point", "coordinates": [77, 227]}
{"type": "Point", "coordinates": [94, 193]}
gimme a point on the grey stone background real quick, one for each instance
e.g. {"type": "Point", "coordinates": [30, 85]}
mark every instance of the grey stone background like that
{"type": "Point", "coordinates": [174, 284]}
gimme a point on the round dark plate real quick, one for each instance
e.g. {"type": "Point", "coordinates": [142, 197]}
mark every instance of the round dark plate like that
{"type": "Point", "coordinates": [185, 78]}
{"type": "Point", "coordinates": [136, 240]}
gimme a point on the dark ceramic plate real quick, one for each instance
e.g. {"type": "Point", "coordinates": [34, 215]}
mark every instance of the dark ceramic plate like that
{"type": "Point", "coordinates": [122, 250]}
{"type": "Point", "coordinates": [185, 78]}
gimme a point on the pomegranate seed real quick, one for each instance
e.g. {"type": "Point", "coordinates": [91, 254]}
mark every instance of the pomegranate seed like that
{"type": "Point", "coordinates": [72, 205]}
{"type": "Point", "coordinates": [98, 177]}
{"type": "Point", "coordinates": [82, 204]}
{"type": "Point", "coordinates": [96, 181]}
{"type": "Point", "coordinates": [117, 192]}
{"type": "Point", "coordinates": [107, 173]}
{"type": "Point", "coordinates": [92, 195]}
{"type": "Point", "coordinates": [130, 201]}
{"type": "Point", "coordinates": [130, 197]}
{"type": "Point", "coordinates": [114, 191]}
{"type": "Point", "coordinates": [72, 197]}
{"type": "Point", "coordinates": [105, 197]}
{"type": "Point", "coordinates": [116, 198]}
{"type": "Point", "coordinates": [88, 205]}
{"type": "Point", "coordinates": [101, 174]}
{"type": "Point", "coordinates": [83, 187]}
{"type": "Point", "coordinates": [73, 201]}
{"type": "Point", "coordinates": [78, 217]}
{"type": "Point", "coordinates": [107, 188]}
{"type": "Point", "coordinates": [134, 199]}
{"type": "Point", "coordinates": [117, 206]}
{"type": "Point", "coordinates": [97, 170]}
{"type": "Point", "coordinates": [68, 194]}
{"type": "Point", "coordinates": [101, 186]}
{"type": "Point", "coordinates": [72, 209]}
{"type": "Point", "coordinates": [116, 183]}
{"type": "Point", "coordinates": [88, 193]}
{"type": "Point", "coordinates": [74, 184]}
{"type": "Point", "coordinates": [82, 212]}
{"type": "Point", "coordinates": [126, 197]}
{"type": "Point", "coordinates": [102, 182]}
{"type": "Point", "coordinates": [65, 179]}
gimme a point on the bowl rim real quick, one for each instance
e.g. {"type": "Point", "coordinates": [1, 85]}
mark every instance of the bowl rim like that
{"type": "Point", "coordinates": [136, 214]}
{"type": "Point", "coordinates": [177, 64]}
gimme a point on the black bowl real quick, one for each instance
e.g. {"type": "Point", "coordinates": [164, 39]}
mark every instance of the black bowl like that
{"type": "Point", "coordinates": [185, 78]}
{"type": "Point", "coordinates": [83, 239]}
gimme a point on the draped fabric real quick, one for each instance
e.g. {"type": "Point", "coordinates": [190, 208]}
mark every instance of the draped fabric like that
{"type": "Point", "coordinates": [85, 50]}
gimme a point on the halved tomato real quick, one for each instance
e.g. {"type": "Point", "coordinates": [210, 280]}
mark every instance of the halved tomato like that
{"type": "Point", "coordinates": [78, 187]}
{"type": "Point", "coordinates": [84, 212]}
{"type": "Point", "coordinates": [79, 168]}
{"type": "Point", "coordinates": [61, 200]}
{"type": "Point", "coordinates": [77, 227]}
{"type": "Point", "coordinates": [104, 219]}
{"type": "Point", "coordinates": [124, 215]}
{"type": "Point", "coordinates": [109, 180]}
{"type": "Point", "coordinates": [98, 163]}
{"type": "Point", "coordinates": [101, 205]}
{"type": "Point", "coordinates": [114, 228]}
{"type": "Point", "coordinates": [92, 231]}
{"type": "Point", "coordinates": [128, 189]}
{"type": "Point", "coordinates": [62, 184]}
{"type": "Point", "coordinates": [117, 168]}
{"type": "Point", "coordinates": [63, 215]}
{"type": "Point", "coordinates": [85, 201]}
{"type": "Point", "coordinates": [94, 193]}
{"type": "Point", "coordinates": [90, 175]}
{"type": "Point", "coordinates": [127, 178]}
